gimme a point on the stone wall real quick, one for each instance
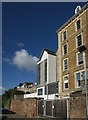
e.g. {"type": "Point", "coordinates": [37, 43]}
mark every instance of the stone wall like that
{"type": "Point", "coordinates": [77, 105]}
{"type": "Point", "coordinates": [24, 107]}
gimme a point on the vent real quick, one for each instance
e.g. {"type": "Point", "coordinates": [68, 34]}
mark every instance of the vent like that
{"type": "Point", "coordinates": [78, 8]}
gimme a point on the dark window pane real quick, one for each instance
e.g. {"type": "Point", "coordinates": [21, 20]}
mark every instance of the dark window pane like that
{"type": "Point", "coordinates": [46, 90]}
{"type": "Point", "coordinates": [66, 85]}
{"type": "Point", "coordinates": [65, 49]}
{"type": "Point", "coordinates": [79, 83]}
{"type": "Point", "coordinates": [65, 64]}
{"type": "Point", "coordinates": [40, 91]}
{"type": "Point", "coordinates": [79, 40]}
{"type": "Point", "coordinates": [64, 35]}
{"type": "Point", "coordinates": [83, 75]}
{"type": "Point", "coordinates": [80, 58]}
{"type": "Point", "coordinates": [38, 74]}
{"type": "Point", "coordinates": [78, 24]}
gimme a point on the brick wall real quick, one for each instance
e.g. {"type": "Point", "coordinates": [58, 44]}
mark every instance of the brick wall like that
{"type": "Point", "coordinates": [24, 107]}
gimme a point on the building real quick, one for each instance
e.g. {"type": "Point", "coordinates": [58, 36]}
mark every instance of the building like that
{"type": "Point", "coordinates": [27, 87]}
{"type": "Point", "coordinates": [47, 86]}
{"type": "Point", "coordinates": [72, 53]}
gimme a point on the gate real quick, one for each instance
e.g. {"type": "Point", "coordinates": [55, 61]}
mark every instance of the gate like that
{"type": "Point", "coordinates": [53, 108]}
{"type": "Point", "coordinates": [40, 107]}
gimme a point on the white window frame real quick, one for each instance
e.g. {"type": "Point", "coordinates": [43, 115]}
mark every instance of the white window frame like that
{"type": "Point", "coordinates": [63, 64]}
{"type": "Point", "coordinates": [63, 35]}
{"type": "Point", "coordinates": [80, 77]}
{"type": "Point", "coordinates": [42, 90]}
{"type": "Point", "coordinates": [77, 59]}
{"type": "Point", "coordinates": [65, 81]}
{"type": "Point", "coordinates": [77, 40]}
{"type": "Point", "coordinates": [76, 24]}
{"type": "Point", "coordinates": [63, 48]}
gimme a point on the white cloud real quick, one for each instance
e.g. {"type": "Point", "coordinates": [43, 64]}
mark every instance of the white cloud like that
{"type": "Point", "coordinates": [20, 44]}
{"type": "Point", "coordinates": [23, 60]}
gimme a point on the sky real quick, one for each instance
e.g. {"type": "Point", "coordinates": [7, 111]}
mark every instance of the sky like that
{"type": "Point", "coordinates": [28, 28]}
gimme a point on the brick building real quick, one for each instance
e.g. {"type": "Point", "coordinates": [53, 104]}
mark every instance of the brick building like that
{"type": "Point", "coordinates": [72, 53]}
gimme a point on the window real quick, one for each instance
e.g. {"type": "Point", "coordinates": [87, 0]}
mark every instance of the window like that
{"type": "Point", "coordinates": [65, 64]}
{"type": "Point", "coordinates": [64, 35]}
{"type": "Point", "coordinates": [83, 75]}
{"type": "Point", "coordinates": [65, 49]}
{"type": "Point", "coordinates": [79, 40]}
{"type": "Point", "coordinates": [38, 73]}
{"type": "Point", "coordinates": [40, 91]}
{"type": "Point", "coordinates": [80, 58]}
{"type": "Point", "coordinates": [46, 89]}
{"type": "Point", "coordinates": [66, 82]}
{"type": "Point", "coordinates": [79, 77]}
{"type": "Point", "coordinates": [78, 25]}
{"type": "Point", "coordinates": [53, 88]}
{"type": "Point", "coordinates": [46, 70]}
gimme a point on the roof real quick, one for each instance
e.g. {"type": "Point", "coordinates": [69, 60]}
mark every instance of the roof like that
{"type": "Point", "coordinates": [48, 51]}
{"type": "Point", "coordinates": [27, 83]}
{"type": "Point", "coordinates": [73, 17]}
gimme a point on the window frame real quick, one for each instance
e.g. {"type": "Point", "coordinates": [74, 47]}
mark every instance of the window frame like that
{"type": "Point", "coordinates": [66, 50]}
{"type": "Point", "coordinates": [65, 81]}
{"type": "Point", "coordinates": [77, 40]}
{"type": "Point", "coordinates": [41, 88]}
{"type": "Point", "coordinates": [76, 24]}
{"type": "Point", "coordinates": [76, 86]}
{"type": "Point", "coordinates": [64, 64]}
{"type": "Point", "coordinates": [78, 59]}
{"type": "Point", "coordinates": [63, 35]}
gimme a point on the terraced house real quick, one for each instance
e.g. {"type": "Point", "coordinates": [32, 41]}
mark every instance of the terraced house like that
{"type": "Point", "coordinates": [72, 53]}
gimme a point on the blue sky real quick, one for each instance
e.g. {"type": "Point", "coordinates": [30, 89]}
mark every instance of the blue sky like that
{"type": "Point", "coordinates": [27, 28]}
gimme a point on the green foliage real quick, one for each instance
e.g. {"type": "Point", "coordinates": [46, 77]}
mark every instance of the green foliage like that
{"type": "Point", "coordinates": [8, 95]}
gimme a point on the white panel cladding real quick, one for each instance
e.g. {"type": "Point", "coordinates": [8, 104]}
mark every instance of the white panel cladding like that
{"type": "Point", "coordinates": [44, 56]}
{"type": "Point", "coordinates": [51, 68]}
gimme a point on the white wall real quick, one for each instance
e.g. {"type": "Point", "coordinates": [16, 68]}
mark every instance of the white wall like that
{"type": "Point", "coordinates": [30, 95]}
{"type": "Point", "coordinates": [51, 68]}
{"type": "Point", "coordinates": [34, 95]}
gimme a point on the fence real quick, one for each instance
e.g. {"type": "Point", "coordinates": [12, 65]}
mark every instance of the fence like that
{"type": "Point", "coordinates": [53, 108]}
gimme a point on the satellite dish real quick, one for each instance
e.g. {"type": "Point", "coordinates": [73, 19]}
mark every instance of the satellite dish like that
{"type": "Point", "coordinates": [78, 8]}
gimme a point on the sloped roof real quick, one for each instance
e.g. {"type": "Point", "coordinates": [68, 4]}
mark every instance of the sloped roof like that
{"type": "Point", "coordinates": [27, 83]}
{"type": "Point", "coordinates": [48, 51]}
{"type": "Point", "coordinates": [73, 17]}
